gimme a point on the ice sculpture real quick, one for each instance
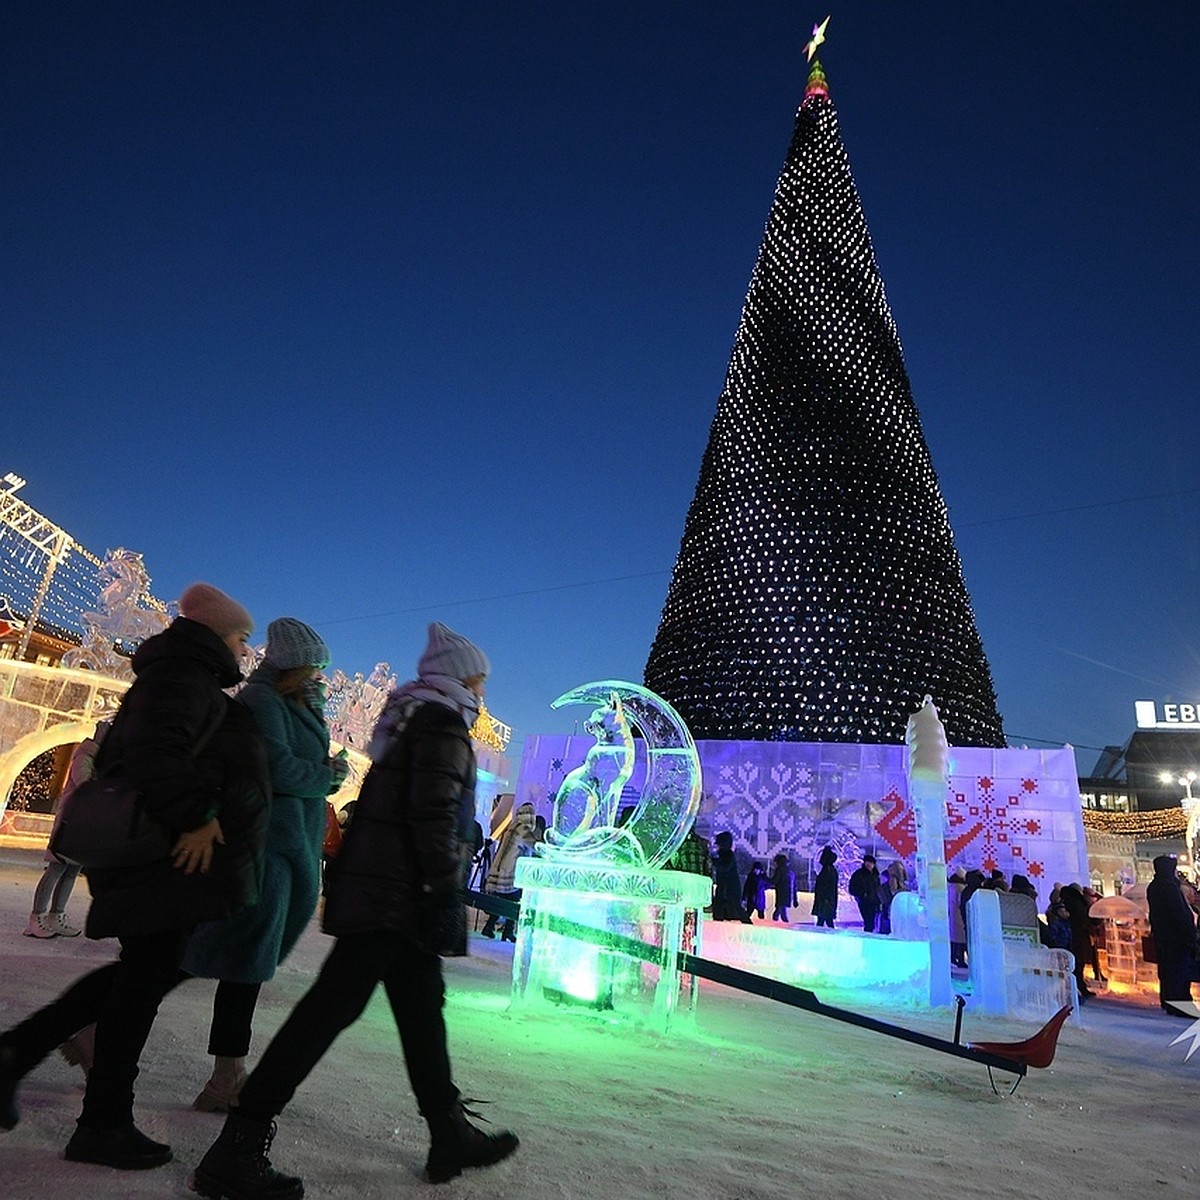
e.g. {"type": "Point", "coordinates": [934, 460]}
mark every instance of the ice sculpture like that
{"type": "Point", "coordinates": [670, 797]}
{"type": "Point", "coordinates": [928, 755]}
{"type": "Point", "coordinates": [123, 616]}
{"type": "Point", "coordinates": [1010, 972]}
{"type": "Point", "coordinates": [601, 923]}
{"type": "Point", "coordinates": [585, 807]}
{"type": "Point", "coordinates": [986, 958]}
{"type": "Point", "coordinates": [353, 706]}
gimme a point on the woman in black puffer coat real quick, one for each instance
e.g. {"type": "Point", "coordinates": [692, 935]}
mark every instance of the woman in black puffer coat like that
{"type": "Point", "coordinates": [394, 904]}
{"type": "Point", "coordinates": [199, 763]}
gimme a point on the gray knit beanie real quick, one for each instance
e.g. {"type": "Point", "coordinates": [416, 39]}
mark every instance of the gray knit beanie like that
{"type": "Point", "coordinates": [291, 643]}
{"type": "Point", "coordinates": [210, 606]}
{"type": "Point", "coordinates": [452, 655]}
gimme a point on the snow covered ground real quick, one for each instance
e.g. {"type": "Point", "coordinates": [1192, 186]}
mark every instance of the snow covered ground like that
{"type": "Point", "coordinates": [761, 1102]}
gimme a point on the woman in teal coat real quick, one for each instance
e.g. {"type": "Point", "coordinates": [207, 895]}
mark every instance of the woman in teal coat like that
{"type": "Point", "coordinates": [284, 694]}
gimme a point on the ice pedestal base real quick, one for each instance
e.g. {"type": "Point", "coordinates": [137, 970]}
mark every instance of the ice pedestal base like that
{"type": "Point", "coordinates": [843, 966]}
{"type": "Point", "coordinates": [605, 939]}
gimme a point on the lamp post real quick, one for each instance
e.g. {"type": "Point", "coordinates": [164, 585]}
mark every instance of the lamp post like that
{"type": "Point", "coordinates": [1184, 780]}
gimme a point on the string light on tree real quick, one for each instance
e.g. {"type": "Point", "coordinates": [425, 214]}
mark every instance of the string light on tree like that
{"type": "Point", "coordinates": [818, 594]}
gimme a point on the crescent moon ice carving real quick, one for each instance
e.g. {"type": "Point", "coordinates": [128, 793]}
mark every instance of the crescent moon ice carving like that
{"type": "Point", "coordinates": [584, 825]}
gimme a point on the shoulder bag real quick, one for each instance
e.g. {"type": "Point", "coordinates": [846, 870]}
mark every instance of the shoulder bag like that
{"type": "Point", "coordinates": [102, 824]}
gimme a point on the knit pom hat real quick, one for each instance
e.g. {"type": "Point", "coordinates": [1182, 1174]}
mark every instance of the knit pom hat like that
{"type": "Point", "coordinates": [452, 655]}
{"type": "Point", "coordinates": [210, 606]}
{"type": "Point", "coordinates": [291, 643]}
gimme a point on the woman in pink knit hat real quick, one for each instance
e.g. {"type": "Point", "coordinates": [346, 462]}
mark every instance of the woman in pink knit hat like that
{"type": "Point", "coordinates": [198, 761]}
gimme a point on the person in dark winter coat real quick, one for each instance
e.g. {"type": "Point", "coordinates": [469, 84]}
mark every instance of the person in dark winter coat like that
{"type": "Point", "coordinates": [783, 880]}
{"type": "Point", "coordinates": [286, 698]}
{"type": "Point", "coordinates": [1074, 901]}
{"type": "Point", "coordinates": [957, 922]}
{"type": "Point", "coordinates": [1173, 928]}
{"type": "Point", "coordinates": [864, 887]}
{"type": "Point", "coordinates": [1057, 931]}
{"type": "Point", "coordinates": [754, 893]}
{"type": "Point", "coordinates": [727, 890]}
{"type": "Point", "coordinates": [394, 904]}
{"type": "Point", "coordinates": [198, 760]}
{"type": "Point", "coordinates": [825, 889]}
{"type": "Point", "coordinates": [1022, 887]}
{"type": "Point", "coordinates": [893, 881]}
{"type": "Point", "coordinates": [974, 881]}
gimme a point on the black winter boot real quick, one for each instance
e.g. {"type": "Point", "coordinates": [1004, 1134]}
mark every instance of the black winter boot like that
{"type": "Point", "coordinates": [456, 1143]}
{"type": "Point", "coordinates": [127, 1148]}
{"type": "Point", "coordinates": [236, 1166]}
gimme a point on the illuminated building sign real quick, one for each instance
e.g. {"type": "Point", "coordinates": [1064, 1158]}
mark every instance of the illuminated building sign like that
{"type": "Point", "coordinates": [1174, 716]}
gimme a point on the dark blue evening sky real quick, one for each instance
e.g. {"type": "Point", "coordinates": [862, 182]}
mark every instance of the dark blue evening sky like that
{"type": "Point", "coordinates": [379, 313]}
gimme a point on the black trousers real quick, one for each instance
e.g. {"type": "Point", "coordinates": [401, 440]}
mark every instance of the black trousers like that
{"type": "Point", "coordinates": [122, 999]}
{"type": "Point", "coordinates": [356, 964]}
{"type": "Point", "coordinates": [232, 1018]}
{"type": "Point", "coordinates": [1175, 979]}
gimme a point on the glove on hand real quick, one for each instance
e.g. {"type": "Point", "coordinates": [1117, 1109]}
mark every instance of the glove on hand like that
{"type": "Point", "coordinates": [340, 768]}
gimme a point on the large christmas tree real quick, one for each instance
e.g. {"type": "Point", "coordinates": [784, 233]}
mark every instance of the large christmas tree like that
{"type": "Point", "coordinates": [818, 595]}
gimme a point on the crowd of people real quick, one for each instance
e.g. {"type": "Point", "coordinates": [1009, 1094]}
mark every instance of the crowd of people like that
{"type": "Point", "coordinates": [240, 785]}
{"type": "Point", "coordinates": [736, 900]}
{"type": "Point", "coordinates": [1067, 922]}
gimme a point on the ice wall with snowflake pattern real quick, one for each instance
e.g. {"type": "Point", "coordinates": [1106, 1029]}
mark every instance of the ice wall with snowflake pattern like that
{"type": "Point", "coordinates": [1018, 810]}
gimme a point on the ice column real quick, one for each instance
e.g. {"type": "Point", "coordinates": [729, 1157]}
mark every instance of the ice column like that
{"type": "Point", "coordinates": [925, 737]}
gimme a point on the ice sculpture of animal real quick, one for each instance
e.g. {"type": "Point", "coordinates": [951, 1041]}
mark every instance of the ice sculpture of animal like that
{"type": "Point", "coordinates": [589, 797]}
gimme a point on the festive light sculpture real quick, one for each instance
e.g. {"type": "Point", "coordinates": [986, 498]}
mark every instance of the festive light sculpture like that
{"type": "Point", "coordinates": [601, 923]}
{"type": "Point", "coordinates": [818, 593]}
{"type": "Point", "coordinates": [125, 617]}
{"type": "Point", "coordinates": [354, 705]}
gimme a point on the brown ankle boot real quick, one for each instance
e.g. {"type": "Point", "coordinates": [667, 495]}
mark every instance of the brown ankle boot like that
{"type": "Point", "coordinates": [220, 1093]}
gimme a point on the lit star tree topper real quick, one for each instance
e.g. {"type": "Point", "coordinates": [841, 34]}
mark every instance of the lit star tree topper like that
{"type": "Point", "coordinates": [818, 38]}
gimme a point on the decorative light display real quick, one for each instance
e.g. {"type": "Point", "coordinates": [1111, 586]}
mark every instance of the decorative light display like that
{"type": "Point", "coordinates": [818, 594]}
{"type": "Point", "coordinates": [491, 731]}
{"type": "Point", "coordinates": [47, 575]}
{"type": "Point", "coordinates": [42, 707]}
{"type": "Point", "coordinates": [1159, 823]}
{"type": "Point", "coordinates": [32, 787]}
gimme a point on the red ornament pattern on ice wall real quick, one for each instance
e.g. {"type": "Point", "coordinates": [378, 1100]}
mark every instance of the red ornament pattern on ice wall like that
{"type": "Point", "coordinates": [1004, 834]}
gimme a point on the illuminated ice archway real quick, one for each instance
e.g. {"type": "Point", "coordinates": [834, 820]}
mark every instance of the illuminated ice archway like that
{"type": "Point", "coordinates": [42, 708]}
